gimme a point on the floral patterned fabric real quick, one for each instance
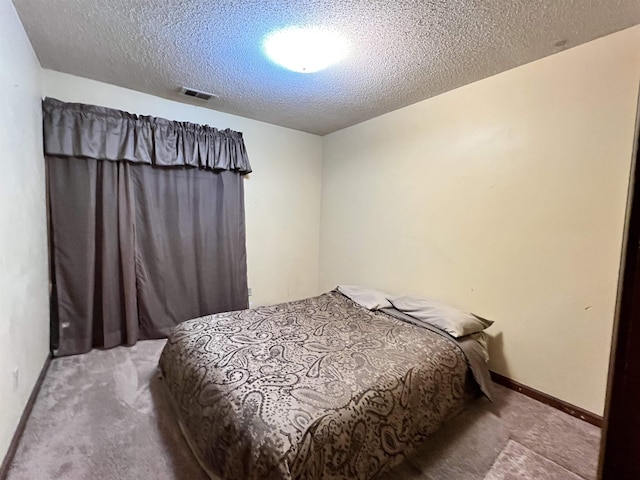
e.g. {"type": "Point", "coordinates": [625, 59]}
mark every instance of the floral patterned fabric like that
{"type": "Point", "coordinates": [319, 388]}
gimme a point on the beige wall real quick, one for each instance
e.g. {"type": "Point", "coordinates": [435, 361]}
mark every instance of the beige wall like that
{"type": "Point", "coordinates": [282, 195]}
{"type": "Point", "coordinates": [505, 197]}
{"type": "Point", "coordinates": [24, 295]}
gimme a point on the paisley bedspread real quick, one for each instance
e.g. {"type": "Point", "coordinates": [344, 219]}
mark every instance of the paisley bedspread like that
{"type": "Point", "coordinates": [320, 388]}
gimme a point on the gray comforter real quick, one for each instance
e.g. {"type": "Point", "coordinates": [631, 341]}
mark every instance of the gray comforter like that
{"type": "Point", "coordinates": [319, 388]}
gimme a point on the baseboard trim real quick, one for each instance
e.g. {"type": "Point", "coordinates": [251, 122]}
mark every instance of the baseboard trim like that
{"type": "Point", "coordinates": [554, 402]}
{"type": "Point", "coordinates": [13, 446]}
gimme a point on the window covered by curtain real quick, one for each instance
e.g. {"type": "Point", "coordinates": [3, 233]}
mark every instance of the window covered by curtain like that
{"type": "Point", "coordinates": [146, 224]}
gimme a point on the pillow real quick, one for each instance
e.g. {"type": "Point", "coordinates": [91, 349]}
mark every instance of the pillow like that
{"type": "Point", "coordinates": [445, 317]}
{"type": "Point", "coordinates": [365, 297]}
{"type": "Point", "coordinates": [482, 339]}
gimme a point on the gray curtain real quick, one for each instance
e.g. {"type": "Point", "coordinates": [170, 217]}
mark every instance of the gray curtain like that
{"type": "Point", "coordinates": [146, 224]}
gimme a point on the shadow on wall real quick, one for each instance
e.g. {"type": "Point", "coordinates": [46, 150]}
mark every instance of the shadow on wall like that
{"type": "Point", "coordinates": [498, 362]}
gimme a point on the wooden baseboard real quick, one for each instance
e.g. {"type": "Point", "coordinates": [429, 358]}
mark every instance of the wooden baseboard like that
{"type": "Point", "coordinates": [554, 402]}
{"type": "Point", "coordinates": [13, 446]}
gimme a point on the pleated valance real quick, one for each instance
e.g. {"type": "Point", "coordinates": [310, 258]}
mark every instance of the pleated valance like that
{"type": "Point", "coordinates": [79, 130]}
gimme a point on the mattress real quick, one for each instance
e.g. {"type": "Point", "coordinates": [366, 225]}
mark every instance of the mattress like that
{"type": "Point", "coordinates": [320, 388]}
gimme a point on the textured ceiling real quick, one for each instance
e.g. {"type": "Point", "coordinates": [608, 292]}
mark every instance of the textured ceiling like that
{"type": "Point", "coordinates": [402, 51]}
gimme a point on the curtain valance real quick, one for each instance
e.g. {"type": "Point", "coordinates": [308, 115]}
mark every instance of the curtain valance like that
{"type": "Point", "coordinates": [78, 130]}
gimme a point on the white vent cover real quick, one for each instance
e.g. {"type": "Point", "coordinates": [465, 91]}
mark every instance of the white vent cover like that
{"type": "Point", "coordinates": [193, 93]}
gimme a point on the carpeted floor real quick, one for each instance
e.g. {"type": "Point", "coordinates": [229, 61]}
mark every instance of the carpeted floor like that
{"type": "Point", "coordinates": [104, 415]}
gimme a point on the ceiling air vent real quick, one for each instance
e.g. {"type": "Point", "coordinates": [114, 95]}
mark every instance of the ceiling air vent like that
{"type": "Point", "coordinates": [192, 92]}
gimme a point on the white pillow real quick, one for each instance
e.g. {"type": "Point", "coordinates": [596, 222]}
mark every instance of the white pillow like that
{"type": "Point", "coordinates": [445, 317]}
{"type": "Point", "coordinates": [365, 297]}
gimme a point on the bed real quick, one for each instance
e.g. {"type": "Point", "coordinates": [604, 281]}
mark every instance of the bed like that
{"type": "Point", "coordinates": [320, 388]}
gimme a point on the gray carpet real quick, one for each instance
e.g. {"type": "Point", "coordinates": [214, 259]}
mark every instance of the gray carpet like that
{"type": "Point", "coordinates": [104, 415]}
{"type": "Point", "coordinates": [517, 461]}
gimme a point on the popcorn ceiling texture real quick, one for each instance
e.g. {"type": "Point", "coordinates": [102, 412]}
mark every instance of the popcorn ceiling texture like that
{"type": "Point", "coordinates": [402, 51]}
